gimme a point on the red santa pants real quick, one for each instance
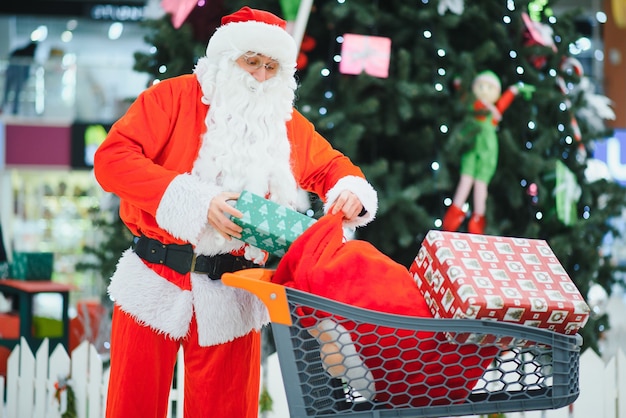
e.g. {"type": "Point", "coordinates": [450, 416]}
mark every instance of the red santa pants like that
{"type": "Point", "coordinates": [220, 381]}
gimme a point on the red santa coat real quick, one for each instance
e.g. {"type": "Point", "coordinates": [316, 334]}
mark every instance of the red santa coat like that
{"type": "Point", "coordinates": [147, 160]}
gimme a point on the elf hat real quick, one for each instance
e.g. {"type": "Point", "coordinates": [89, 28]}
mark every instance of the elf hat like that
{"type": "Point", "coordinates": [488, 77]}
{"type": "Point", "coordinates": [257, 31]}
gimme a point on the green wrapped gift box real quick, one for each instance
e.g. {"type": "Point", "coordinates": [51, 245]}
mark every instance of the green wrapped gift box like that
{"type": "Point", "coordinates": [32, 265]}
{"type": "Point", "coordinates": [268, 225]}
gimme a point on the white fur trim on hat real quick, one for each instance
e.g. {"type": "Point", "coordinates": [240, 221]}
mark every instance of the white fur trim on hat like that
{"type": "Point", "coordinates": [241, 37]}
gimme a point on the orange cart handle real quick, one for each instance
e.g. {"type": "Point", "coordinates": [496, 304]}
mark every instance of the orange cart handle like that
{"type": "Point", "coordinates": [258, 282]}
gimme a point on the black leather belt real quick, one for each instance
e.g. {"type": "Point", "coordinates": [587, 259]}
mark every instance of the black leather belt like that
{"type": "Point", "coordinates": [182, 259]}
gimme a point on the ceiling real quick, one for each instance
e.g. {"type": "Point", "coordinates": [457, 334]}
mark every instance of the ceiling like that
{"type": "Point", "coordinates": [60, 7]}
{"type": "Point", "coordinates": [89, 31]}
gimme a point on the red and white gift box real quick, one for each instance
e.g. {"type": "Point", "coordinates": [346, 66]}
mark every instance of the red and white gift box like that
{"type": "Point", "coordinates": [508, 279]}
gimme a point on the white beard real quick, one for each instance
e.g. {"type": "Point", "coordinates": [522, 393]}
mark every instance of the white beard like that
{"type": "Point", "coordinates": [246, 145]}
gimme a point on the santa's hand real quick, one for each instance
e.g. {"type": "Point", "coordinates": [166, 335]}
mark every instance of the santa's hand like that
{"type": "Point", "coordinates": [349, 204]}
{"type": "Point", "coordinates": [219, 215]}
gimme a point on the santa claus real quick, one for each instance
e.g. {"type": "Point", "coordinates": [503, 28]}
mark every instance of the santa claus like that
{"type": "Point", "coordinates": [178, 159]}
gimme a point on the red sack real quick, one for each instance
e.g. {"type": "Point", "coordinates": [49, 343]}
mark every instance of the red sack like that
{"type": "Point", "coordinates": [402, 367]}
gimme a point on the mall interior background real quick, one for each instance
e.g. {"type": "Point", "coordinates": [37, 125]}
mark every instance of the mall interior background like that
{"type": "Point", "coordinates": [81, 77]}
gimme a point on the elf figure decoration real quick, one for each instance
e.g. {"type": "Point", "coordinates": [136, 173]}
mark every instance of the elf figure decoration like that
{"type": "Point", "coordinates": [478, 165]}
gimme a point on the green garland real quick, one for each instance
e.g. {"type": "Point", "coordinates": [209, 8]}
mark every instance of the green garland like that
{"type": "Point", "coordinates": [265, 400]}
{"type": "Point", "coordinates": [63, 385]}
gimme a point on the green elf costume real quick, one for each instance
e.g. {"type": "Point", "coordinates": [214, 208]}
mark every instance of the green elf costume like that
{"type": "Point", "coordinates": [478, 165]}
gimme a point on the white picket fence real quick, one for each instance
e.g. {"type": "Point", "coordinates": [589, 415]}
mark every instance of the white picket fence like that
{"type": "Point", "coordinates": [31, 380]}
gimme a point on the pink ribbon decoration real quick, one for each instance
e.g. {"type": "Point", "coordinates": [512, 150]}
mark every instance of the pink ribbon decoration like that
{"type": "Point", "coordinates": [369, 54]}
{"type": "Point", "coordinates": [179, 9]}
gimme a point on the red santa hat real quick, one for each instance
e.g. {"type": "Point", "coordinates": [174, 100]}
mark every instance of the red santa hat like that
{"type": "Point", "coordinates": [257, 31]}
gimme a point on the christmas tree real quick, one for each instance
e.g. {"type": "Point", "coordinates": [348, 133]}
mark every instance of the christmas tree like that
{"type": "Point", "coordinates": [407, 125]}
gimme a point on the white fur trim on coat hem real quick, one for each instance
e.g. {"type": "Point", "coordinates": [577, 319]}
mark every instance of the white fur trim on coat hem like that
{"type": "Point", "coordinates": [223, 313]}
{"type": "Point", "coordinates": [150, 299]}
{"type": "Point", "coordinates": [364, 191]}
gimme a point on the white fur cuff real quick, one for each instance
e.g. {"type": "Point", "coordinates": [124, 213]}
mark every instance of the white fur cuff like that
{"type": "Point", "coordinates": [364, 191]}
{"type": "Point", "coordinates": [184, 207]}
{"type": "Point", "coordinates": [269, 40]}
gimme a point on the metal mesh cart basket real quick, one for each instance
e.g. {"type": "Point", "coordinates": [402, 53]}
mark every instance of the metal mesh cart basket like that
{"type": "Point", "coordinates": [401, 366]}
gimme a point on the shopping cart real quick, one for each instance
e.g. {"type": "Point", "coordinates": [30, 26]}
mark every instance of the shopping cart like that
{"type": "Point", "coordinates": [516, 368]}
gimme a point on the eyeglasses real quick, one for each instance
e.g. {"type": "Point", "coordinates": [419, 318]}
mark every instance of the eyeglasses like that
{"type": "Point", "coordinates": [255, 61]}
